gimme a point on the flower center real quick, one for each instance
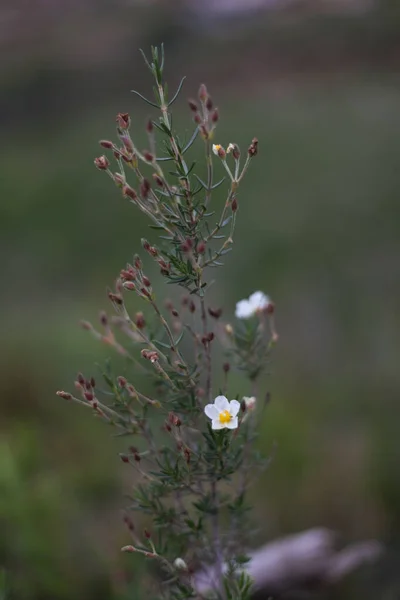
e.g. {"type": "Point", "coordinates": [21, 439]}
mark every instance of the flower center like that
{"type": "Point", "coordinates": [224, 416]}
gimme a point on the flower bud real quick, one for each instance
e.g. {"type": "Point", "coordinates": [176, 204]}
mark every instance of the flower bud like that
{"type": "Point", "coordinates": [123, 120]}
{"type": "Point", "coordinates": [124, 458]}
{"type": "Point", "coordinates": [106, 144]}
{"type": "Point", "coordinates": [234, 205]}
{"type": "Point", "coordinates": [158, 180]}
{"type": "Point", "coordinates": [88, 396]}
{"type": "Point", "coordinates": [149, 126]}
{"type": "Point", "coordinates": [193, 105]}
{"type": "Point", "coordinates": [180, 564]}
{"type": "Point", "coordinates": [215, 116]}
{"type": "Point", "coordinates": [201, 247]}
{"type": "Point", "coordinates": [103, 318]}
{"type": "Point", "coordinates": [139, 320]}
{"type": "Point", "coordinates": [253, 148]}
{"type": "Point", "coordinates": [127, 142]}
{"type": "Point", "coordinates": [203, 94]}
{"type": "Point", "coordinates": [119, 179]}
{"type": "Point", "coordinates": [209, 103]}
{"type": "Point", "coordinates": [129, 285]}
{"type": "Point", "coordinates": [115, 298]}
{"type": "Point", "coordinates": [226, 367]}
{"type": "Point", "coordinates": [216, 313]}
{"type": "Point", "coordinates": [102, 163]}
{"type": "Point", "coordinates": [146, 281]}
{"type": "Point", "coordinates": [65, 395]}
{"type": "Point", "coordinates": [148, 156]}
{"type": "Point", "coordinates": [86, 325]}
{"type": "Point", "coordinates": [129, 192]}
{"type": "Point", "coordinates": [121, 381]}
{"type": "Point", "coordinates": [145, 188]}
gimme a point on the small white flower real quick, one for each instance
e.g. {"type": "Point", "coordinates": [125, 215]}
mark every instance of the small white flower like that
{"type": "Point", "coordinates": [230, 147]}
{"type": "Point", "coordinates": [180, 564]}
{"type": "Point", "coordinates": [219, 150]}
{"type": "Point", "coordinates": [250, 402]}
{"type": "Point", "coordinates": [255, 303]}
{"type": "Point", "coordinates": [223, 413]}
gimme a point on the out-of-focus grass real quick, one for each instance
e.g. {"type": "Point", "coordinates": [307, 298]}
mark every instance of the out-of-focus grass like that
{"type": "Point", "coordinates": [318, 230]}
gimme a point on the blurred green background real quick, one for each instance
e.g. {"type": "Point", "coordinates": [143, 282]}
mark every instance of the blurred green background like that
{"type": "Point", "coordinates": [318, 83]}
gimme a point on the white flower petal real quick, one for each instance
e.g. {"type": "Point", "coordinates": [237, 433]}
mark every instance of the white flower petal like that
{"type": "Point", "coordinates": [234, 407]}
{"type": "Point", "coordinates": [221, 403]}
{"type": "Point", "coordinates": [211, 411]}
{"type": "Point", "coordinates": [259, 300]}
{"type": "Point", "coordinates": [244, 309]}
{"type": "Point", "coordinates": [233, 423]}
{"type": "Point", "coordinates": [216, 424]}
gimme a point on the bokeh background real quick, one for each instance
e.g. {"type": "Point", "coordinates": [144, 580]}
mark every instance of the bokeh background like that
{"type": "Point", "coordinates": [318, 83]}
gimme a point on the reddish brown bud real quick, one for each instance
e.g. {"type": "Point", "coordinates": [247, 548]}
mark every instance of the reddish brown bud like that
{"type": "Point", "coordinates": [103, 318]}
{"type": "Point", "coordinates": [210, 336]}
{"type": "Point", "coordinates": [81, 379]}
{"type": "Point", "coordinates": [129, 192]}
{"type": "Point", "coordinates": [124, 458]}
{"type": "Point", "coordinates": [92, 382]}
{"type": "Point", "coordinates": [65, 395]}
{"type": "Point", "coordinates": [138, 262]}
{"type": "Point", "coordinates": [234, 205]}
{"type": "Point", "coordinates": [270, 309]}
{"type": "Point", "coordinates": [147, 534]}
{"type": "Point", "coordinates": [158, 180]}
{"type": "Point", "coordinates": [174, 312]}
{"type": "Point", "coordinates": [115, 298]}
{"type": "Point", "coordinates": [86, 325]}
{"type": "Point", "coordinates": [168, 427]}
{"type": "Point", "coordinates": [203, 94]}
{"type": "Point", "coordinates": [117, 154]}
{"type": "Point", "coordinates": [145, 188]}
{"type": "Point", "coordinates": [119, 179]}
{"type": "Point", "coordinates": [123, 120]}
{"type": "Point", "coordinates": [209, 103]}
{"type": "Point", "coordinates": [106, 144]}
{"type": "Point", "coordinates": [146, 281]}
{"type": "Point", "coordinates": [102, 163]}
{"type": "Point", "coordinates": [127, 142]}
{"type": "Point", "coordinates": [253, 148]}
{"type": "Point", "coordinates": [192, 105]}
{"type": "Point", "coordinates": [216, 313]}
{"type": "Point", "coordinates": [226, 367]}
{"type": "Point", "coordinates": [187, 245]}
{"type": "Point", "coordinates": [148, 156]}
{"type": "Point", "coordinates": [149, 126]}
{"type": "Point", "coordinates": [215, 116]}
{"type": "Point", "coordinates": [129, 285]}
{"type": "Point", "coordinates": [150, 355]}
{"type": "Point", "coordinates": [121, 381]}
{"type": "Point", "coordinates": [243, 406]}
{"type": "Point", "coordinates": [136, 457]}
{"type": "Point", "coordinates": [201, 247]}
{"type": "Point", "coordinates": [89, 396]}
{"type": "Point", "coordinates": [197, 119]}
{"type": "Point", "coordinates": [139, 320]}
{"type": "Point", "coordinates": [192, 306]}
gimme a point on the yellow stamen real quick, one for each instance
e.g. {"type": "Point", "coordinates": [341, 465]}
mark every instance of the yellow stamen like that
{"type": "Point", "coordinates": [224, 416]}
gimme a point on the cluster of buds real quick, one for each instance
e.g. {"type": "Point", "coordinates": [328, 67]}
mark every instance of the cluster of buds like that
{"type": "Point", "coordinates": [205, 115]}
{"type": "Point", "coordinates": [165, 268]}
{"type": "Point", "coordinates": [132, 279]}
{"type": "Point", "coordinates": [253, 148]}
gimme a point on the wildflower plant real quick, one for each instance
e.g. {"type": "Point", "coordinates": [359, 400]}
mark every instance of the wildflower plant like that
{"type": "Point", "coordinates": [190, 439]}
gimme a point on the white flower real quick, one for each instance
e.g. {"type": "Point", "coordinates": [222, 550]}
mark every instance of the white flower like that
{"type": "Point", "coordinates": [255, 303]}
{"type": "Point", "coordinates": [250, 402]}
{"type": "Point", "coordinates": [223, 413]}
{"type": "Point", "coordinates": [219, 150]}
{"type": "Point", "coordinates": [180, 564]}
{"type": "Point", "coordinates": [230, 147]}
